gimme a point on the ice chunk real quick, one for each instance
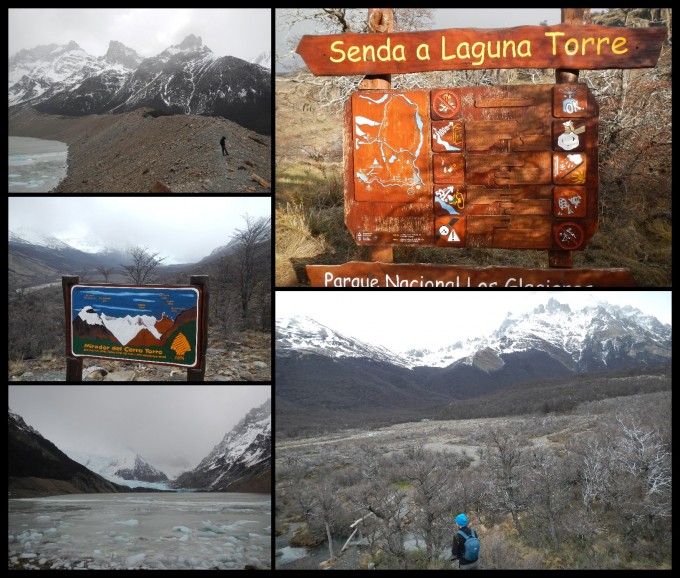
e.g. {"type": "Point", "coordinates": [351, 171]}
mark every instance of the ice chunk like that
{"type": "Point", "coordinates": [42, 519]}
{"type": "Point", "coordinates": [184, 538]}
{"type": "Point", "coordinates": [181, 529]}
{"type": "Point", "coordinates": [127, 522]}
{"type": "Point", "coordinates": [136, 559]}
{"type": "Point", "coordinates": [28, 555]}
{"type": "Point", "coordinates": [51, 531]}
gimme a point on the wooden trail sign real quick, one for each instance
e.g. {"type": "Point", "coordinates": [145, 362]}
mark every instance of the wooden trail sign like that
{"type": "Point", "coordinates": [560, 46]}
{"type": "Point", "coordinates": [372, 275]}
{"type": "Point", "coordinates": [512, 167]}
{"type": "Point", "coordinates": [149, 324]}
{"type": "Point", "coordinates": [493, 166]}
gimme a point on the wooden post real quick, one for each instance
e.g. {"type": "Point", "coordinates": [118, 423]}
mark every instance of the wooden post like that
{"type": "Point", "coordinates": [198, 373]}
{"type": "Point", "coordinates": [74, 365]}
{"type": "Point", "coordinates": [574, 16]}
{"type": "Point", "coordinates": [380, 20]}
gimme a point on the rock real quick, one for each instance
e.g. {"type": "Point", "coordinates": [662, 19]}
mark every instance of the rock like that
{"type": "Point", "coordinates": [245, 375]}
{"type": "Point", "coordinates": [146, 170]}
{"type": "Point", "coordinates": [94, 372]}
{"type": "Point", "coordinates": [27, 375]}
{"type": "Point", "coordinates": [126, 375]}
{"type": "Point", "coordinates": [159, 187]}
{"type": "Point", "coordinates": [260, 365]}
{"type": "Point", "coordinates": [86, 181]}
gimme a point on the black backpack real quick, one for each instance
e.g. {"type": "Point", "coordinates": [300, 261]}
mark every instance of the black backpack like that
{"type": "Point", "coordinates": [470, 546]}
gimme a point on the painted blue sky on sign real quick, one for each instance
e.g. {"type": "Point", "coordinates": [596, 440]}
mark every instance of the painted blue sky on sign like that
{"type": "Point", "coordinates": [122, 301]}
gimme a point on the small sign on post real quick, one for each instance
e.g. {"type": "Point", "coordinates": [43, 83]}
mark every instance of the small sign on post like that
{"type": "Point", "coordinates": [148, 324]}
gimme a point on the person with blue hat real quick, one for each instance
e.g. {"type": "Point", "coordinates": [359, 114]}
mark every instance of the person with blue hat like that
{"type": "Point", "coordinates": [465, 547]}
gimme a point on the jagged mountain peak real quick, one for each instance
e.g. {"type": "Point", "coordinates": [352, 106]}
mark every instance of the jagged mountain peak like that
{"type": "Point", "coordinates": [118, 53]}
{"type": "Point", "coordinates": [191, 41]}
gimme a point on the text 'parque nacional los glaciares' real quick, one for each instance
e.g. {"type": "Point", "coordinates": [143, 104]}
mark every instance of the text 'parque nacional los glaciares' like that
{"type": "Point", "coordinates": [583, 47]}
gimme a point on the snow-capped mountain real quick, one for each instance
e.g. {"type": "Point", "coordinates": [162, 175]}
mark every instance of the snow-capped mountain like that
{"type": "Point", "coordinates": [186, 78]}
{"type": "Point", "coordinates": [302, 334]}
{"type": "Point", "coordinates": [128, 469]}
{"type": "Point", "coordinates": [43, 72]}
{"type": "Point", "coordinates": [600, 336]}
{"type": "Point", "coordinates": [241, 462]}
{"type": "Point", "coordinates": [30, 237]}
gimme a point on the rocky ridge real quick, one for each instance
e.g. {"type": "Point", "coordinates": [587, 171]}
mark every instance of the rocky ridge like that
{"type": "Point", "coordinates": [132, 152]}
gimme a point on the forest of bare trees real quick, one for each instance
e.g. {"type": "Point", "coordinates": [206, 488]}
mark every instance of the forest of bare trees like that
{"type": "Point", "coordinates": [588, 489]}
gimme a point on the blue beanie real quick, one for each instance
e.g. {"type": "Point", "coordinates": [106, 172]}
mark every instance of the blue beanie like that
{"type": "Point", "coordinates": [461, 520]}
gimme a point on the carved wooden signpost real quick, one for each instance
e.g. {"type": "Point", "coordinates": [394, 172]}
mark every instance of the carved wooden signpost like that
{"type": "Point", "coordinates": [495, 166]}
{"type": "Point", "coordinates": [148, 324]}
{"type": "Point", "coordinates": [512, 167]}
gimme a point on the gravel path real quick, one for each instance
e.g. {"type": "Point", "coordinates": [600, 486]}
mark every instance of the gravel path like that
{"type": "Point", "coordinates": [131, 152]}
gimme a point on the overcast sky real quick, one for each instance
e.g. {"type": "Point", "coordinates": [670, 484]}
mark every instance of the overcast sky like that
{"type": "Point", "coordinates": [185, 229]}
{"type": "Point", "coordinates": [442, 18]}
{"type": "Point", "coordinates": [244, 33]}
{"type": "Point", "coordinates": [401, 320]}
{"type": "Point", "coordinates": [172, 427]}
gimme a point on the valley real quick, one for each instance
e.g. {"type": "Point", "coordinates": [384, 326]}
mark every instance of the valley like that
{"type": "Point", "coordinates": [413, 475]}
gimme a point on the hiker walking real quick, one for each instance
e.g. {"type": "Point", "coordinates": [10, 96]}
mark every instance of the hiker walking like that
{"type": "Point", "coordinates": [223, 142]}
{"type": "Point", "coordinates": [465, 546]}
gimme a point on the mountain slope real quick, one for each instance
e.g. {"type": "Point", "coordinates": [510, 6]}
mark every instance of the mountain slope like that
{"type": "Point", "coordinates": [36, 467]}
{"type": "Point", "coordinates": [241, 462]}
{"type": "Point", "coordinates": [301, 333]}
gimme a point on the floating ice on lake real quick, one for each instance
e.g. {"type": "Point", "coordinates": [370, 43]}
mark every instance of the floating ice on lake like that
{"type": "Point", "coordinates": [164, 539]}
{"type": "Point", "coordinates": [136, 559]}
{"type": "Point", "coordinates": [42, 519]}
{"type": "Point", "coordinates": [181, 529]}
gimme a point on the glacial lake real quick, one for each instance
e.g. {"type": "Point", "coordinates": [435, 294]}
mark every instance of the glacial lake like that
{"type": "Point", "coordinates": [160, 531]}
{"type": "Point", "coordinates": [35, 165]}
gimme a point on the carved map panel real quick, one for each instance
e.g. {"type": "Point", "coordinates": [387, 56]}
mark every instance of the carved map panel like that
{"type": "Point", "coordinates": [495, 166]}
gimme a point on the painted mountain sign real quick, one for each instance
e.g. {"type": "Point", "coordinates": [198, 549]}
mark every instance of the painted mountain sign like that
{"type": "Point", "coordinates": [562, 46]}
{"type": "Point", "coordinates": [512, 167]}
{"type": "Point", "coordinates": [150, 324]}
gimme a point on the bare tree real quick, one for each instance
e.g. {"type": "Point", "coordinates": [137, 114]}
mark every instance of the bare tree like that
{"type": "Point", "coordinates": [252, 260]}
{"type": "Point", "coordinates": [333, 91]}
{"type": "Point", "coordinates": [105, 272]}
{"type": "Point", "coordinates": [431, 476]}
{"type": "Point", "coordinates": [141, 271]}
{"type": "Point", "coordinates": [505, 457]}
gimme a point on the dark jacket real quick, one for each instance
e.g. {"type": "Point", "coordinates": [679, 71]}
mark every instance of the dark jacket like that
{"type": "Point", "coordinates": [223, 140]}
{"type": "Point", "coordinates": [457, 546]}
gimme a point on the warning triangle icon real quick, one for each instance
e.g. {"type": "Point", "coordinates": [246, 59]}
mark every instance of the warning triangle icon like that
{"type": "Point", "coordinates": [453, 237]}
